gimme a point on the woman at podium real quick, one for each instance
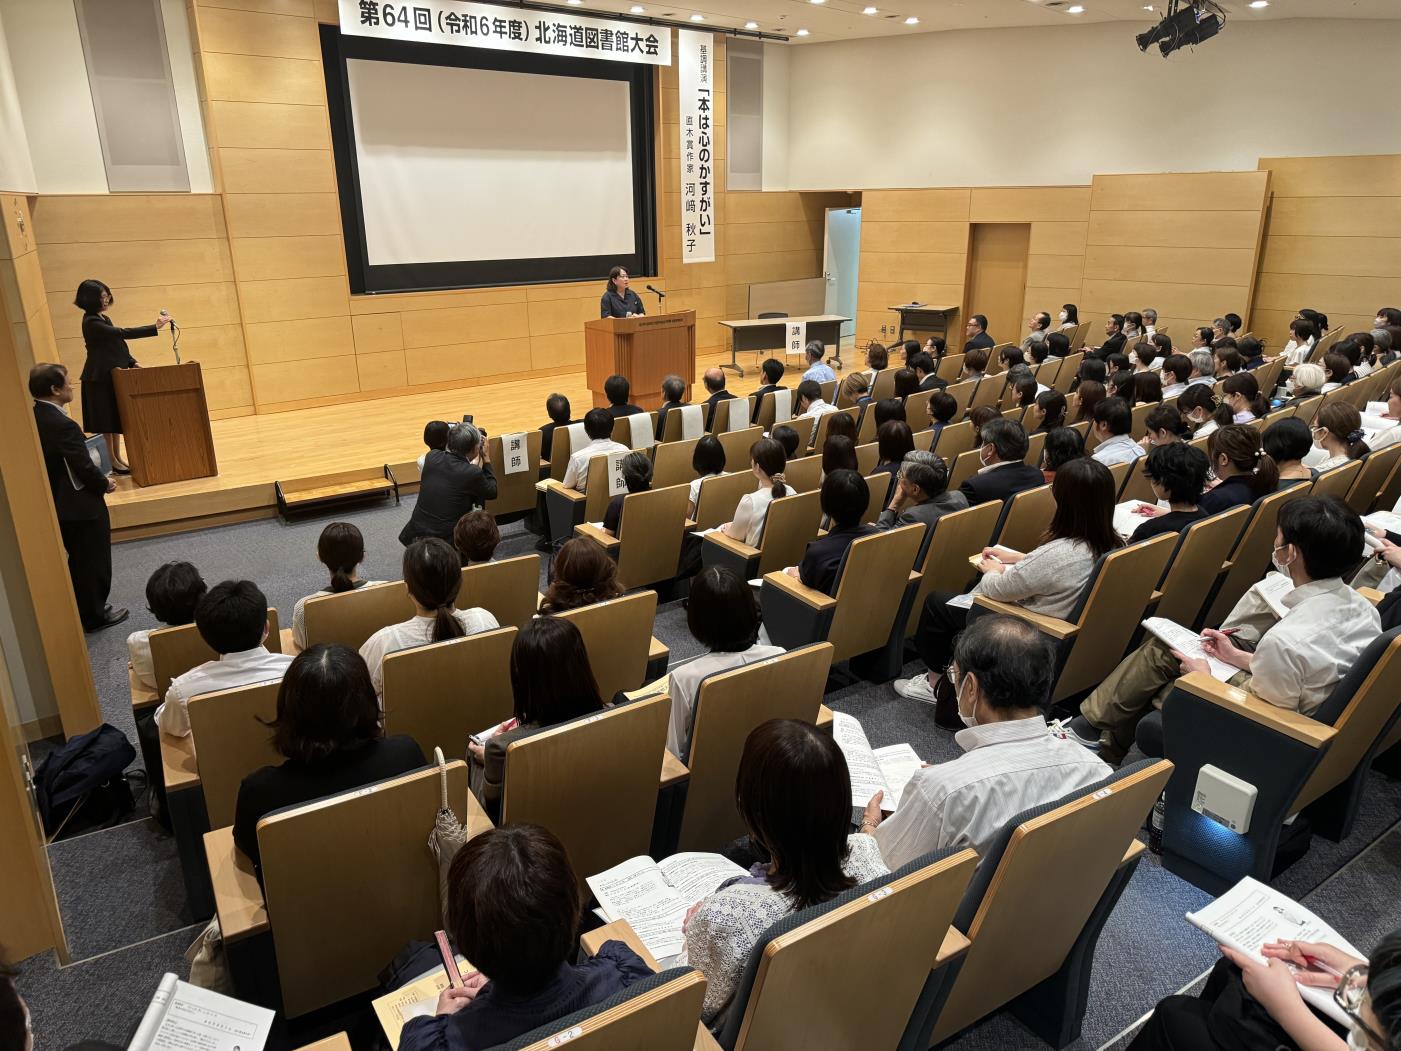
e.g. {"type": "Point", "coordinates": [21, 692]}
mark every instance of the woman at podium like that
{"type": "Point", "coordinates": [619, 300]}
{"type": "Point", "coordinates": [107, 350]}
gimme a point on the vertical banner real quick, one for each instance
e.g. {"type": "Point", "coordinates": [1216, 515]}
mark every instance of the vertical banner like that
{"type": "Point", "coordinates": [696, 77]}
{"type": "Point", "coordinates": [796, 340]}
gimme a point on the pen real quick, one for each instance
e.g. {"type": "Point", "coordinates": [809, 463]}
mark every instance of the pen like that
{"type": "Point", "coordinates": [1315, 962]}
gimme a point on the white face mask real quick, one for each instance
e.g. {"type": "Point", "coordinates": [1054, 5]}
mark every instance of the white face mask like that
{"type": "Point", "coordinates": [1281, 567]}
{"type": "Point", "coordinates": [982, 458]}
{"type": "Point", "coordinates": [968, 720]}
{"type": "Point", "coordinates": [1063, 315]}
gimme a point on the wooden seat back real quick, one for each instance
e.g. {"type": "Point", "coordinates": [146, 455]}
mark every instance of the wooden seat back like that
{"type": "Point", "coordinates": [660, 1019]}
{"type": "Point", "coordinates": [955, 538]}
{"type": "Point", "coordinates": [1077, 848]}
{"type": "Point", "coordinates": [924, 440]}
{"type": "Point", "coordinates": [593, 782]}
{"type": "Point", "coordinates": [1338, 481]}
{"type": "Point", "coordinates": [720, 496]}
{"type": "Point", "coordinates": [352, 617]}
{"type": "Point", "coordinates": [671, 461]}
{"type": "Point", "coordinates": [825, 421]}
{"type": "Point", "coordinates": [1028, 514]}
{"type": "Point", "coordinates": [916, 408]}
{"type": "Point", "coordinates": [441, 694]}
{"type": "Point", "coordinates": [875, 574]}
{"type": "Point", "coordinates": [964, 466]}
{"type": "Point", "coordinates": [622, 430]}
{"type": "Point", "coordinates": [1069, 369]}
{"type": "Point", "coordinates": [804, 474]}
{"type": "Point", "coordinates": [1140, 418]}
{"type": "Point", "coordinates": [649, 535]}
{"type": "Point", "coordinates": [515, 489]}
{"type": "Point", "coordinates": [768, 409]}
{"type": "Point", "coordinates": [1196, 565]}
{"type": "Point", "coordinates": [232, 739]}
{"type": "Point", "coordinates": [1138, 487]}
{"type": "Point", "coordinates": [884, 387]}
{"type": "Point", "coordinates": [737, 445]}
{"type": "Point", "coordinates": [174, 651]}
{"type": "Point", "coordinates": [325, 860]}
{"type": "Point", "coordinates": [876, 948]}
{"type": "Point", "coordinates": [1035, 446]}
{"type": "Point", "coordinates": [1307, 410]}
{"type": "Point", "coordinates": [989, 391]}
{"type": "Point", "coordinates": [561, 449]}
{"type": "Point", "coordinates": [728, 707]}
{"type": "Point", "coordinates": [804, 426]}
{"type": "Point", "coordinates": [829, 391]}
{"type": "Point", "coordinates": [954, 438]}
{"type": "Point", "coordinates": [867, 456]}
{"type": "Point", "coordinates": [731, 414]}
{"type": "Point", "coordinates": [1047, 372]}
{"type": "Point", "coordinates": [618, 638]}
{"type": "Point", "coordinates": [790, 526]}
{"type": "Point", "coordinates": [1251, 555]}
{"type": "Point", "coordinates": [596, 495]}
{"type": "Point", "coordinates": [1120, 471]}
{"type": "Point", "coordinates": [508, 589]}
{"type": "Point", "coordinates": [878, 491]}
{"type": "Point", "coordinates": [947, 368]}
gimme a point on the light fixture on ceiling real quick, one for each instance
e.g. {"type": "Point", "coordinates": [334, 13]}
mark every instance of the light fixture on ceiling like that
{"type": "Point", "coordinates": [1076, 9]}
{"type": "Point", "coordinates": [912, 21]}
{"type": "Point", "coordinates": [817, 1]}
{"type": "Point", "coordinates": [1147, 7]}
{"type": "Point", "coordinates": [751, 25]}
{"type": "Point", "coordinates": [637, 9]}
{"type": "Point", "coordinates": [802, 32]}
{"type": "Point", "coordinates": [1257, 4]}
{"type": "Point", "coordinates": [868, 10]}
{"type": "Point", "coordinates": [698, 18]}
{"type": "Point", "coordinates": [574, 3]}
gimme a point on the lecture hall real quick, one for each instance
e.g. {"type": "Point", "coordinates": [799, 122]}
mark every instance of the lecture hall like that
{"type": "Point", "coordinates": [1009, 392]}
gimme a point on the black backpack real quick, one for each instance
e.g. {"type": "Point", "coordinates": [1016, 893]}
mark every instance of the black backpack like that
{"type": "Point", "coordinates": [81, 785]}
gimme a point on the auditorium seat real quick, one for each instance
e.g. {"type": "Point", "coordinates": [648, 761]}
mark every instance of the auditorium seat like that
{"type": "Point", "coordinates": [1195, 565]}
{"type": "Point", "coordinates": [720, 496]}
{"type": "Point", "coordinates": [671, 461]}
{"type": "Point", "coordinates": [791, 524]}
{"type": "Point", "coordinates": [515, 482]}
{"type": "Point", "coordinates": [231, 737]}
{"type": "Point", "coordinates": [1250, 558]}
{"type": "Point", "coordinates": [731, 414]}
{"type": "Point", "coordinates": [737, 444]}
{"type": "Point", "coordinates": [442, 693]}
{"type": "Point", "coordinates": [944, 561]}
{"type": "Point", "coordinates": [351, 617]}
{"type": "Point", "coordinates": [648, 545]}
{"type": "Point", "coordinates": [618, 637]}
{"type": "Point", "coordinates": [568, 507]}
{"type": "Point", "coordinates": [1025, 517]}
{"type": "Point", "coordinates": [825, 421]}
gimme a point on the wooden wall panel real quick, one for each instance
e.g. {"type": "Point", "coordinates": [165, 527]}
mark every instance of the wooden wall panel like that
{"type": "Point", "coordinates": [1192, 192]}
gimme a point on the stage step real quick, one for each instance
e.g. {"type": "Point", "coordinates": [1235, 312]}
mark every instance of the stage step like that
{"type": "Point", "coordinates": [324, 492]}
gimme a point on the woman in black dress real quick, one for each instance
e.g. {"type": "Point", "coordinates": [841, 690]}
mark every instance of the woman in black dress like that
{"type": "Point", "coordinates": [107, 350]}
{"type": "Point", "coordinates": [619, 300]}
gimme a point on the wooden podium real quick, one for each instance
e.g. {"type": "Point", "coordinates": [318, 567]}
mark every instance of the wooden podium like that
{"type": "Point", "coordinates": [644, 349]}
{"type": "Point", "coordinates": [165, 420]}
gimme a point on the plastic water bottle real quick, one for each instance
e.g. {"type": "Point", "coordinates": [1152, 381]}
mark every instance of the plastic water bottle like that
{"type": "Point", "coordinates": [1155, 825]}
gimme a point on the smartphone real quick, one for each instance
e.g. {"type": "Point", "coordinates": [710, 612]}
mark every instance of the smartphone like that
{"type": "Point", "coordinates": [449, 960]}
{"type": "Point", "coordinates": [466, 417]}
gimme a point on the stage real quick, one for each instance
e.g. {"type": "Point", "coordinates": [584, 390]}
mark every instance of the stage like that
{"type": "Point", "coordinates": [256, 451]}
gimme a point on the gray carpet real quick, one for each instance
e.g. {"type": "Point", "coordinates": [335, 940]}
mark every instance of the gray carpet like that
{"type": "Point", "coordinates": [1147, 950]}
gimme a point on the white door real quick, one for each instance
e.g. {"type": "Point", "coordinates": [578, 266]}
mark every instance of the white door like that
{"type": "Point", "coordinates": [841, 264]}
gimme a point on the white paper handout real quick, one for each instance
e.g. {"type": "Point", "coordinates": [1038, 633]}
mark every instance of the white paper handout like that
{"type": "Point", "coordinates": [184, 1017]}
{"type": "Point", "coordinates": [1252, 914]}
{"type": "Point", "coordinates": [887, 769]}
{"type": "Point", "coordinates": [655, 897]}
{"type": "Point", "coordinates": [964, 601]}
{"type": "Point", "coordinates": [1125, 521]}
{"type": "Point", "coordinates": [1272, 590]}
{"type": "Point", "coordinates": [1188, 643]}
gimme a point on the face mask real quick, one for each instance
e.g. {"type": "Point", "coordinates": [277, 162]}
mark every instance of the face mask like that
{"type": "Point", "coordinates": [1062, 315]}
{"type": "Point", "coordinates": [982, 459]}
{"type": "Point", "coordinates": [1281, 567]}
{"type": "Point", "coordinates": [968, 720]}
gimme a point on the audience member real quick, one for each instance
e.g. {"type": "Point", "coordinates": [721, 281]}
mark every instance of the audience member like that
{"type": "Point", "coordinates": [1147, 388]}
{"type": "Point", "coordinates": [773, 371]}
{"type": "Point", "coordinates": [708, 461]}
{"type": "Point", "coordinates": [1203, 372]}
{"type": "Point", "coordinates": [1241, 396]}
{"type": "Point", "coordinates": [1306, 382]}
{"type": "Point", "coordinates": [838, 454]}
{"type": "Point", "coordinates": [982, 416]}
{"type": "Point", "coordinates": [1038, 328]}
{"type": "Point", "coordinates": [341, 549]}
{"type": "Point", "coordinates": [1302, 337]}
{"type": "Point", "coordinates": [843, 424]}
{"type": "Point", "coordinates": [1062, 445]}
{"type": "Point", "coordinates": [934, 346]}
{"type": "Point", "coordinates": [582, 575]}
{"type": "Point", "coordinates": [1024, 389]}
{"type": "Point", "coordinates": [433, 576]}
{"type": "Point", "coordinates": [1164, 426]}
{"type": "Point", "coordinates": [810, 403]}
{"type": "Point", "coordinates": [1058, 345]}
{"type": "Point", "coordinates": [893, 441]}
{"type": "Point", "coordinates": [1114, 338]}
{"type": "Point", "coordinates": [1338, 437]}
{"type": "Point", "coordinates": [877, 361]}
{"type": "Point", "coordinates": [637, 478]}
{"type": "Point", "coordinates": [1091, 370]}
{"type": "Point", "coordinates": [818, 371]}
{"type": "Point", "coordinates": [1177, 370]}
{"type": "Point", "coordinates": [854, 389]}
{"type": "Point", "coordinates": [1177, 474]}
{"type": "Point", "coordinates": [232, 618]}
{"type": "Point", "coordinates": [1244, 471]}
{"type": "Point", "coordinates": [766, 460]}
{"type": "Point", "coordinates": [513, 910]}
{"type": "Point", "coordinates": [975, 363]}
{"type": "Point", "coordinates": [714, 380]}
{"type": "Point", "coordinates": [888, 409]}
{"type": "Point", "coordinates": [1252, 352]}
{"type": "Point", "coordinates": [1004, 471]}
{"type": "Point", "coordinates": [1202, 338]}
{"type": "Point", "coordinates": [1228, 360]}
{"type": "Point", "coordinates": [1089, 395]}
{"type": "Point", "coordinates": [942, 408]}
{"type": "Point", "coordinates": [845, 497]}
{"type": "Point", "coordinates": [673, 397]}
{"type": "Point", "coordinates": [1150, 322]}
{"type": "Point", "coordinates": [1287, 442]}
{"type": "Point", "coordinates": [557, 408]}
{"type": "Point", "coordinates": [435, 436]}
{"type": "Point", "coordinates": [172, 593]}
{"type": "Point", "coordinates": [618, 390]}
{"type": "Point", "coordinates": [1133, 327]}
{"type": "Point", "coordinates": [1069, 317]}
{"type": "Point", "coordinates": [906, 382]}
{"type": "Point", "coordinates": [1199, 407]}
{"type": "Point", "coordinates": [976, 334]}
{"type": "Point", "coordinates": [598, 425]}
{"type": "Point", "coordinates": [921, 493]}
{"type": "Point", "coordinates": [329, 731]}
{"type": "Point", "coordinates": [1337, 369]}
{"type": "Point", "coordinates": [1145, 356]}
{"type": "Point", "coordinates": [454, 481]}
{"type": "Point", "coordinates": [1113, 422]}
{"type": "Point", "coordinates": [789, 438]}
{"type": "Point", "coordinates": [476, 537]}
{"type": "Point", "coordinates": [926, 372]}
{"type": "Point", "coordinates": [1162, 344]}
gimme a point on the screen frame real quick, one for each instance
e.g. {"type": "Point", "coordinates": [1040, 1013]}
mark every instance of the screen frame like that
{"type": "Point", "coordinates": [367, 279]}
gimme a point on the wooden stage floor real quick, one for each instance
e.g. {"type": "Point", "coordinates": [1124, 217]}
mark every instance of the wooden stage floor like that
{"type": "Point", "coordinates": [256, 451]}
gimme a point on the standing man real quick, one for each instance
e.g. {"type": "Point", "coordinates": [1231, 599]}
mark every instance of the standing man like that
{"type": "Point", "coordinates": [79, 492]}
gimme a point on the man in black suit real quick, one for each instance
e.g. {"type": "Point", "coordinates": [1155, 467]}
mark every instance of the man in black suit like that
{"type": "Point", "coordinates": [773, 372]}
{"type": "Point", "coordinates": [673, 397]}
{"type": "Point", "coordinates": [79, 491]}
{"type": "Point", "coordinates": [454, 481]}
{"type": "Point", "coordinates": [714, 380]}
{"type": "Point", "coordinates": [976, 335]}
{"type": "Point", "coordinates": [1114, 338]}
{"type": "Point", "coordinates": [1005, 472]}
{"type": "Point", "coordinates": [924, 367]}
{"type": "Point", "coordinates": [557, 406]}
{"type": "Point", "coordinates": [619, 390]}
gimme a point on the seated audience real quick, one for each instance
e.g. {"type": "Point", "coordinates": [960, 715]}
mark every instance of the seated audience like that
{"type": "Point", "coordinates": [1024, 389]}
{"type": "Point", "coordinates": [854, 389]}
{"type": "Point", "coordinates": [1338, 437]}
{"type": "Point", "coordinates": [1302, 337]}
{"type": "Point", "coordinates": [557, 407]}
{"type": "Point", "coordinates": [454, 481]}
{"type": "Point", "coordinates": [552, 682]}
{"type": "Point", "coordinates": [1144, 357]}
{"type": "Point", "coordinates": [1201, 339]}
{"type": "Point", "coordinates": [708, 461]}
{"type": "Point", "coordinates": [1203, 371]}
{"type": "Point", "coordinates": [1252, 352]}
{"type": "Point", "coordinates": [893, 441]}
{"type": "Point", "coordinates": [1292, 662]}
{"type": "Point", "coordinates": [818, 371]}
{"type": "Point", "coordinates": [232, 618]}
{"type": "Point", "coordinates": [1046, 580]}
{"type": "Point", "coordinates": [618, 390]}
{"type": "Point", "coordinates": [598, 425]}
{"type": "Point", "coordinates": [975, 363]}
{"type": "Point", "coordinates": [1177, 474]}
{"type": "Point", "coordinates": [476, 537]}
{"type": "Point", "coordinates": [1039, 351]}
{"type": "Point", "coordinates": [582, 575]}
{"type": "Point", "coordinates": [723, 616]}
{"type": "Point", "coordinates": [1163, 426]}
{"type": "Point", "coordinates": [906, 382]}
{"type": "Point", "coordinates": [172, 593]}
{"type": "Point", "coordinates": [976, 334]}
{"type": "Point", "coordinates": [714, 380]}
{"type": "Point", "coordinates": [1392, 434]}
{"type": "Point", "coordinates": [793, 792]}
{"type": "Point", "coordinates": [1147, 388]}
{"type": "Point", "coordinates": [888, 409]}
{"type": "Point", "coordinates": [921, 493]}
{"type": "Point", "coordinates": [1150, 322]}
{"type": "Point", "coordinates": [773, 371]}
{"type": "Point", "coordinates": [1113, 422]}
{"type": "Point", "coordinates": [942, 408]}
{"type": "Point", "coordinates": [1241, 395]}
{"type": "Point", "coordinates": [435, 436]}
{"type": "Point", "coordinates": [1287, 442]}
{"type": "Point", "coordinates": [1005, 471]}
{"type": "Point", "coordinates": [330, 733]}
{"type": "Point", "coordinates": [766, 460]}
{"type": "Point", "coordinates": [1228, 360]}
{"type": "Point", "coordinates": [1235, 322]}
{"type": "Point", "coordinates": [1069, 317]}
{"type": "Point", "coordinates": [1177, 370]}
{"type": "Point", "coordinates": [637, 478]}
{"type": "Point", "coordinates": [1062, 445]}
{"type": "Point", "coordinates": [843, 424]}
{"type": "Point", "coordinates": [809, 401]}
{"type": "Point", "coordinates": [433, 576]}
{"type": "Point", "coordinates": [1306, 382]}
{"type": "Point", "coordinates": [1337, 368]}
{"type": "Point", "coordinates": [934, 346]}
{"type": "Point", "coordinates": [845, 497]}
{"type": "Point", "coordinates": [1162, 343]}
{"type": "Point", "coordinates": [838, 454]}
{"type": "Point", "coordinates": [1114, 339]}
{"type": "Point", "coordinates": [982, 416]}
{"type": "Point", "coordinates": [513, 910]}
{"type": "Point", "coordinates": [1001, 677]}
{"type": "Point", "coordinates": [1133, 327]}
{"type": "Point", "coordinates": [877, 361]}
{"type": "Point", "coordinates": [1199, 407]}
{"type": "Point", "coordinates": [1120, 385]}
{"type": "Point", "coordinates": [1244, 471]}
{"type": "Point", "coordinates": [789, 438]}
{"type": "Point", "coordinates": [341, 549]}
{"type": "Point", "coordinates": [926, 371]}
{"type": "Point", "coordinates": [1038, 327]}
{"type": "Point", "coordinates": [1057, 345]}
{"type": "Point", "coordinates": [673, 397]}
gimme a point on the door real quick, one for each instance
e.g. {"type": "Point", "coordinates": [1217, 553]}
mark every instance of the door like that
{"type": "Point", "coordinates": [996, 284]}
{"type": "Point", "coordinates": [841, 265]}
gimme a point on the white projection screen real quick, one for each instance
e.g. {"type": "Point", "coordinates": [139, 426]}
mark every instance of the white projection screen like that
{"type": "Point", "coordinates": [500, 166]}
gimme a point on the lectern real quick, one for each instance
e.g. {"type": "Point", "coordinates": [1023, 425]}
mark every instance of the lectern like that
{"type": "Point", "coordinates": [644, 349]}
{"type": "Point", "coordinates": [165, 419]}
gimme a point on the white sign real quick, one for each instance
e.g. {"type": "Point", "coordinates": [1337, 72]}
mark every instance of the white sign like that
{"type": "Point", "coordinates": [617, 486]}
{"type": "Point", "coordinates": [795, 340]}
{"type": "Point", "coordinates": [515, 456]}
{"type": "Point", "coordinates": [507, 29]}
{"type": "Point", "coordinates": [696, 76]}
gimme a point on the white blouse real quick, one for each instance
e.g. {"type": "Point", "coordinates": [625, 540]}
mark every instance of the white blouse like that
{"type": "Point", "coordinates": [750, 515]}
{"type": "Point", "coordinates": [416, 631]}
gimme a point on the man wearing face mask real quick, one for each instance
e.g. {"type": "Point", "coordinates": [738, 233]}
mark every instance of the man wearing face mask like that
{"type": "Point", "coordinates": [1004, 471]}
{"type": "Point", "coordinates": [1292, 662]}
{"type": "Point", "coordinates": [1001, 670]}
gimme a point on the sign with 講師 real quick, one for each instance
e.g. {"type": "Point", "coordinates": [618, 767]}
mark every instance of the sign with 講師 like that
{"type": "Point", "coordinates": [696, 76]}
{"type": "Point", "coordinates": [795, 337]}
{"type": "Point", "coordinates": [507, 29]}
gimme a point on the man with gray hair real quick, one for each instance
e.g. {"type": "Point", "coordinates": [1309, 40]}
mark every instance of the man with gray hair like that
{"type": "Point", "coordinates": [454, 481]}
{"type": "Point", "coordinates": [1002, 450]}
{"type": "Point", "coordinates": [1203, 366]}
{"type": "Point", "coordinates": [818, 369]}
{"type": "Point", "coordinates": [921, 493]}
{"type": "Point", "coordinates": [1150, 322]}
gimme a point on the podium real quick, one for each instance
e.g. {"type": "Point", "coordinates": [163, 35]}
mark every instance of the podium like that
{"type": "Point", "coordinates": [644, 349]}
{"type": "Point", "coordinates": [165, 420]}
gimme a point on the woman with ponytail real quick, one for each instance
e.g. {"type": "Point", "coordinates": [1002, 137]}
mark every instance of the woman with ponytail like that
{"type": "Point", "coordinates": [340, 549]}
{"type": "Point", "coordinates": [767, 461]}
{"type": "Point", "coordinates": [1241, 396]}
{"type": "Point", "coordinates": [433, 575]}
{"type": "Point", "coordinates": [1244, 471]}
{"type": "Point", "coordinates": [1338, 437]}
{"type": "Point", "coordinates": [1200, 408]}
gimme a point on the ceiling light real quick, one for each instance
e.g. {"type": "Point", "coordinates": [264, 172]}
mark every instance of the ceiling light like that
{"type": "Point", "coordinates": [574, 3]}
{"type": "Point", "coordinates": [1076, 9]}
{"type": "Point", "coordinates": [912, 21]}
{"type": "Point", "coordinates": [637, 9]}
{"type": "Point", "coordinates": [802, 32]}
{"type": "Point", "coordinates": [1257, 4]}
{"type": "Point", "coordinates": [698, 18]}
{"type": "Point", "coordinates": [868, 10]}
{"type": "Point", "coordinates": [1147, 7]}
{"type": "Point", "coordinates": [751, 25]}
{"type": "Point", "coordinates": [817, 1]}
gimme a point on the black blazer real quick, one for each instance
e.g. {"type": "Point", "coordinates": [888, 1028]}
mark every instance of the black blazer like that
{"type": "Point", "coordinates": [106, 345]}
{"type": "Point", "coordinates": [982, 341]}
{"type": "Point", "coordinates": [614, 305]}
{"type": "Point", "coordinates": [1113, 345]}
{"type": "Point", "coordinates": [61, 441]}
{"type": "Point", "coordinates": [1001, 483]}
{"type": "Point", "coordinates": [759, 398]}
{"type": "Point", "coordinates": [623, 410]}
{"type": "Point", "coordinates": [818, 569]}
{"type": "Point", "coordinates": [547, 438]}
{"type": "Point", "coordinates": [667, 406]}
{"type": "Point", "coordinates": [449, 488]}
{"type": "Point", "coordinates": [933, 382]}
{"type": "Point", "coordinates": [711, 402]}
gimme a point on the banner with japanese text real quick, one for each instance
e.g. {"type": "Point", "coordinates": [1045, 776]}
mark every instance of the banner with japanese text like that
{"type": "Point", "coordinates": [508, 29]}
{"type": "Point", "coordinates": [696, 77]}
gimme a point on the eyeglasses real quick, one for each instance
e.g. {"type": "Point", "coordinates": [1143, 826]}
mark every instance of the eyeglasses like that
{"type": "Point", "coordinates": [1351, 991]}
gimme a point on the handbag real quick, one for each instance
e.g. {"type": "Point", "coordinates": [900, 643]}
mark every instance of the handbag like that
{"type": "Point", "coordinates": [447, 836]}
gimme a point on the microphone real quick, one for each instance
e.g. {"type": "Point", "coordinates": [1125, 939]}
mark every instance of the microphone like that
{"type": "Point", "coordinates": [174, 337]}
{"type": "Point", "coordinates": [659, 295]}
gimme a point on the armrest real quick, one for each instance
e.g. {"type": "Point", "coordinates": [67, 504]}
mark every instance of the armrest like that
{"type": "Point", "coordinates": [729, 543]}
{"type": "Point", "coordinates": [289, 643]}
{"type": "Point", "coordinates": [1372, 595]}
{"type": "Point", "coordinates": [800, 591]}
{"type": "Point", "coordinates": [598, 536]}
{"type": "Point", "coordinates": [178, 765]}
{"type": "Point", "coordinates": [238, 899]}
{"type": "Point", "coordinates": [824, 718]}
{"type": "Point", "coordinates": [1291, 724]}
{"type": "Point", "coordinates": [620, 931]}
{"type": "Point", "coordinates": [549, 485]}
{"type": "Point", "coordinates": [1058, 629]}
{"type": "Point", "coordinates": [657, 650]}
{"type": "Point", "coordinates": [955, 944]}
{"type": "Point", "coordinates": [673, 770]}
{"type": "Point", "coordinates": [141, 697]}
{"type": "Point", "coordinates": [1136, 848]}
{"type": "Point", "coordinates": [336, 1042]}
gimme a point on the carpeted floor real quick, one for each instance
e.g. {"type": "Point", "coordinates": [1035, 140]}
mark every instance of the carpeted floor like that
{"type": "Point", "coordinates": [127, 921]}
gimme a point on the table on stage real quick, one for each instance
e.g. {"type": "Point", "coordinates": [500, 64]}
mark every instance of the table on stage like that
{"type": "Point", "coordinates": [755, 334]}
{"type": "Point", "coordinates": [922, 317]}
{"type": "Point", "coordinates": [646, 349]}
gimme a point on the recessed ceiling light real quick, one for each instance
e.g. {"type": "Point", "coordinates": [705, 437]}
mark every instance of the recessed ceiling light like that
{"type": "Point", "coordinates": [1076, 9]}
{"type": "Point", "coordinates": [574, 3]}
{"type": "Point", "coordinates": [698, 18]}
{"type": "Point", "coordinates": [868, 10]}
{"type": "Point", "coordinates": [751, 25]}
{"type": "Point", "coordinates": [912, 21]}
{"type": "Point", "coordinates": [637, 9]}
{"type": "Point", "coordinates": [1257, 4]}
{"type": "Point", "coordinates": [802, 32]}
{"type": "Point", "coordinates": [1147, 7]}
{"type": "Point", "coordinates": [817, 1]}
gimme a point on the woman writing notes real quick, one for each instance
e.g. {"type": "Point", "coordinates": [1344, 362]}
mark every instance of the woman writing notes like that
{"type": "Point", "coordinates": [619, 300]}
{"type": "Point", "coordinates": [107, 350]}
